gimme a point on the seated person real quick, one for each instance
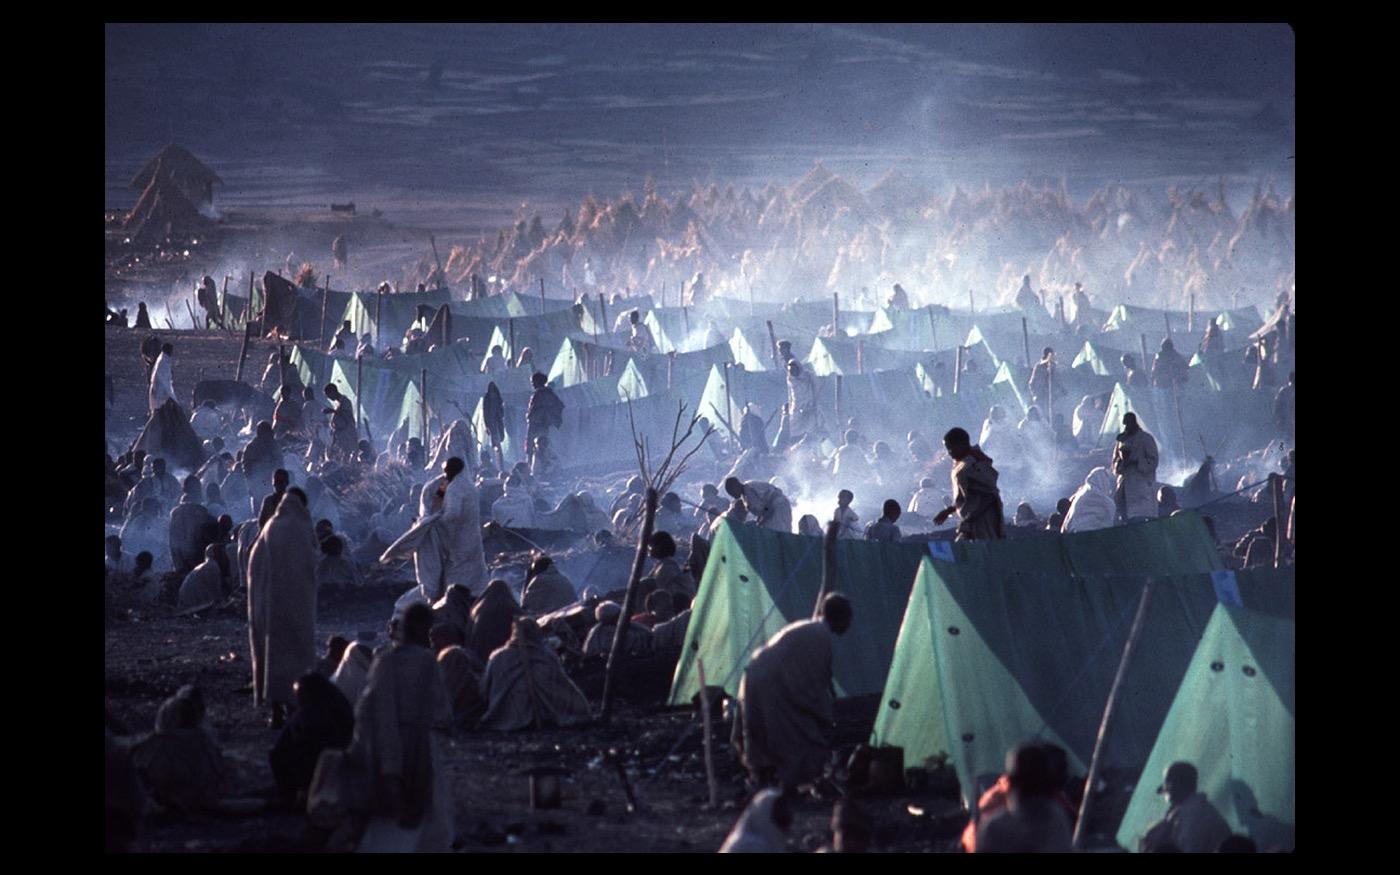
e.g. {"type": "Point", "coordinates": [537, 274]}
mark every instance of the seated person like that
{"type": "Point", "coordinates": [525, 685]}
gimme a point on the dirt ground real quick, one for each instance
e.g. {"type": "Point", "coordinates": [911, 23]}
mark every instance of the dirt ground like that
{"type": "Point", "coordinates": [150, 653]}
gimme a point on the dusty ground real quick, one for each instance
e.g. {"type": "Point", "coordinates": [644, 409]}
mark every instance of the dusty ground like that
{"type": "Point", "coordinates": [150, 654]}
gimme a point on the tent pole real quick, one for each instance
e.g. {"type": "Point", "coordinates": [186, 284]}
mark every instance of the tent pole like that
{"type": "Point", "coordinates": [223, 306]}
{"type": "Point", "coordinates": [423, 402]}
{"type": "Point", "coordinates": [1086, 806]}
{"type": "Point", "coordinates": [773, 344]}
{"type": "Point", "coordinates": [828, 566]}
{"type": "Point", "coordinates": [359, 375]}
{"type": "Point", "coordinates": [615, 652]}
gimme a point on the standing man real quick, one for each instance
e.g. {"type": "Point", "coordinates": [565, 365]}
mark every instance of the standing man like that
{"type": "Point", "coordinates": [545, 411]}
{"type": "Point", "coordinates": [976, 498]}
{"type": "Point", "coordinates": [446, 541]}
{"type": "Point", "coordinates": [282, 604]}
{"type": "Point", "coordinates": [1041, 377]}
{"type": "Point", "coordinates": [344, 429]}
{"type": "Point", "coordinates": [1135, 464]}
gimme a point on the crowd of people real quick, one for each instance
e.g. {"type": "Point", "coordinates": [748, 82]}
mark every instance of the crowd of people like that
{"type": "Point", "coordinates": [214, 507]}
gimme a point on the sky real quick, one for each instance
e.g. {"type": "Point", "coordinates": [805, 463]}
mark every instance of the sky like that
{"type": "Point", "coordinates": [476, 125]}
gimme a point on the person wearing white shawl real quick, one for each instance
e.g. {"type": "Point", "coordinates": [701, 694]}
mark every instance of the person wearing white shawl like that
{"type": "Point", "coordinates": [525, 685]}
{"type": "Point", "coordinates": [1091, 506]}
{"type": "Point", "coordinates": [515, 508]}
{"type": "Point", "coordinates": [206, 421]}
{"type": "Point", "coordinates": [162, 379]}
{"type": "Point", "coordinates": [446, 541]}
{"type": "Point", "coordinates": [398, 718]}
{"type": "Point", "coordinates": [353, 671]}
{"type": "Point", "coordinates": [203, 586]}
{"type": "Point", "coordinates": [282, 603]}
{"type": "Point", "coordinates": [1135, 464]}
{"type": "Point", "coordinates": [456, 441]}
{"type": "Point", "coordinates": [760, 828]}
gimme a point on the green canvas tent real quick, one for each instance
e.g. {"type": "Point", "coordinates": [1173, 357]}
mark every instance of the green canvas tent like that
{"type": "Point", "coordinates": [855, 356]}
{"type": "Point", "coordinates": [768, 389]}
{"type": "Point", "coordinates": [390, 319]}
{"type": "Point", "coordinates": [757, 580]}
{"type": "Point", "coordinates": [1007, 641]}
{"type": "Point", "coordinates": [748, 351]}
{"type": "Point", "coordinates": [1232, 718]}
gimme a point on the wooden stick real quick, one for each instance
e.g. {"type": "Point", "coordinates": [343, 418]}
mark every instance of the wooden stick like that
{"type": "Point", "coordinates": [773, 344]}
{"type": "Point", "coordinates": [709, 735]}
{"type": "Point", "coordinates": [1276, 488]}
{"type": "Point", "coordinates": [378, 316]}
{"type": "Point", "coordinates": [971, 303]}
{"type": "Point", "coordinates": [248, 310]}
{"type": "Point", "coordinates": [542, 304]}
{"type": "Point", "coordinates": [325, 301]}
{"type": "Point", "coordinates": [615, 653]}
{"type": "Point", "coordinates": [243, 352]}
{"type": "Point", "coordinates": [223, 306]}
{"type": "Point", "coordinates": [833, 528]}
{"type": "Point", "coordinates": [514, 353]}
{"type": "Point", "coordinates": [932, 331]}
{"type": "Point", "coordinates": [1097, 761]}
{"type": "Point", "coordinates": [359, 375]}
{"type": "Point", "coordinates": [1026, 340]}
{"type": "Point", "coordinates": [423, 402]}
{"type": "Point", "coordinates": [957, 369]}
{"type": "Point", "coordinates": [1167, 318]}
{"type": "Point", "coordinates": [728, 405]}
{"type": "Point", "coordinates": [685, 314]}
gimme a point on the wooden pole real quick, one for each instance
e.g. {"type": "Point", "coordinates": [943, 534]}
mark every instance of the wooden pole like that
{"type": "Point", "coordinates": [223, 306]}
{"type": "Point", "coordinates": [1142, 365]}
{"type": "Point", "coordinates": [243, 352]}
{"type": "Point", "coordinates": [423, 402]}
{"type": "Point", "coordinates": [359, 375]}
{"type": "Point", "coordinates": [709, 735]}
{"type": "Point", "coordinates": [957, 369]}
{"type": "Point", "coordinates": [542, 304]}
{"type": "Point", "coordinates": [615, 653]}
{"type": "Point", "coordinates": [932, 331]}
{"type": "Point", "coordinates": [514, 353]}
{"type": "Point", "coordinates": [1276, 487]}
{"type": "Point", "coordinates": [1167, 318]}
{"type": "Point", "coordinates": [773, 344]}
{"type": "Point", "coordinates": [685, 314]}
{"type": "Point", "coordinates": [1097, 761]}
{"type": "Point", "coordinates": [325, 302]}
{"type": "Point", "coordinates": [378, 317]}
{"type": "Point", "coordinates": [248, 310]}
{"type": "Point", "coordinates": [1026, 340]}
{"type": "Point", "coordinates": [833, 528]}
{"type": "Point", "coordinates": [728, 406]}
{"type": "Point", "coordinates": [971, 303]}
{"type": "Point", "coordinates": [432, 241]}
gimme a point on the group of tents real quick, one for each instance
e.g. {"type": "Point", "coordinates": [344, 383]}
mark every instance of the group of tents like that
{"type": "Point", "coordinates": [975, 647]}
{"type": "Point", "coordinates": [894, 367]}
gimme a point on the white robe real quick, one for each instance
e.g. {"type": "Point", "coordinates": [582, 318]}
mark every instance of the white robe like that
{"type": "Point", "coordinates": [514, 509]}
{"type": "Point", "coordinates": [1135, 463]}
{"type": "Point", "coordinates": [445, 542]}
{"type": "Point", "coordinates": [162, 386]}
{"type": "Point", "coordinates": [755, 832]}
{"type": "Point", "coordinates": [1091, 507]}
